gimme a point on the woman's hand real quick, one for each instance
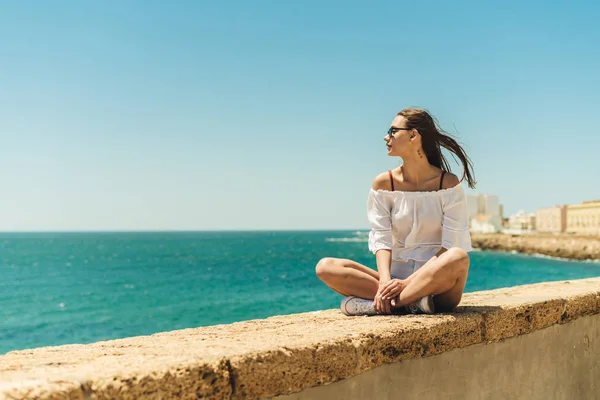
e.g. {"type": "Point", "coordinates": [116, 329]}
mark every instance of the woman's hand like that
{"type": "Point", "coordinates": [382, 306]}
{"type": "Point", "coordinates": [391, 289]}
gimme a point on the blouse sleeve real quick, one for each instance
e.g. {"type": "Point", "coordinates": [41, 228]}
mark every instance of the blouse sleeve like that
{"type": "Point", "coordinates": [455, 222]}
{"type": "Point", "coordinates": [379, 215]}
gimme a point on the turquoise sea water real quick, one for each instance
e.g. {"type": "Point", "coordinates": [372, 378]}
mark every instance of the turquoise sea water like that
{"type": "Point", "coordinates": [59, 288]}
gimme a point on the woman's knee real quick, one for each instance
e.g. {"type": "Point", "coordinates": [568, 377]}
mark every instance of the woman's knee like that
{"type": "Point", "coordinates": [456, 260]}
{"type": "Point", "coordinates": [459, 257]}
{"type": "Point", "coordinates": [325, 267]}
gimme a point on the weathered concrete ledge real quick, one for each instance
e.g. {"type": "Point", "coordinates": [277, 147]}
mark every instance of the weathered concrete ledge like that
{"type": "Point", "coordinates": [284, 354]}
{"type": "Point", "coordinates": [563, 246]}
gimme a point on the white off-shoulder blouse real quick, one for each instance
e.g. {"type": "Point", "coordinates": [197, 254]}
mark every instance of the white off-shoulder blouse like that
{"type": "Point", "coordinates": [416, 225]}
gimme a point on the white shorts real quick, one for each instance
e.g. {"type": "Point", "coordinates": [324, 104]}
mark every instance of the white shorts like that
{"type": "Point", "coordinates": [403, 269]}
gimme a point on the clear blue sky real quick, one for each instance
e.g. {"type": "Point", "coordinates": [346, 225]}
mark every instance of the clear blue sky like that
{"type": "Point", "coordinates": [131, 115]}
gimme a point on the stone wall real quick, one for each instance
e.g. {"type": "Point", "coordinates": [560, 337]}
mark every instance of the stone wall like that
{"type": "Point", "coordinates": [558, 362]}
{"type": "Point", "coordinates": [563, 246]}
{"type": "Point", "coordinates": [289, 354]}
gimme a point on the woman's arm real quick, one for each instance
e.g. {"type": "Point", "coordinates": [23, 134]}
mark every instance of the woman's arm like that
{"type": "Point", "coordinates": [384, 263]}
{"type": "Point", "coordinates": [379, 213]}
{"type": "Point", "coordinates": [381, 222]}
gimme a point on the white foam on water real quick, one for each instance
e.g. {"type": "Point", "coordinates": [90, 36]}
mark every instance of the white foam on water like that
{"type": "Point", "coordinates": [354, 239]}
{"type": "Point", "coordinates": [564, 258]}
{"type": "Point", "coordinates": [545, 256]}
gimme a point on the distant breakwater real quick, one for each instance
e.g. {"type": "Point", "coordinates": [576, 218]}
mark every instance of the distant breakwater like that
{"type": "Point", "coordinates": [562, 246]}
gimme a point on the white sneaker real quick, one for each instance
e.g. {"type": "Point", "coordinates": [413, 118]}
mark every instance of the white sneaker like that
{"type": "Point", "coordinates": [353, 305]}
{"type": "Point", "coordinates": [422, 306]}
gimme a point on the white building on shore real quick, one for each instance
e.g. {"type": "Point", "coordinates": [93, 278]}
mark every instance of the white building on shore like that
{"type": "Point", "coordinates": [521, 222]}
{"type": "Point", "coordinates": [484, 212]}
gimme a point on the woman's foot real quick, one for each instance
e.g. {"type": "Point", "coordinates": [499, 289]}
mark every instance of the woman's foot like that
{"type": "Point", "coordinates": [353, 305]}
{"type": "Point", "coordinates": [424, 305]}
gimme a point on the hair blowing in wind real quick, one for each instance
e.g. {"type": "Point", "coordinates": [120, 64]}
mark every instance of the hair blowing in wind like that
{"type": "Point", "coordinates": [433, 138]}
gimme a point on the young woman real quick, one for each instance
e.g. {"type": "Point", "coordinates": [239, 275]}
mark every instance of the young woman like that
{"type": "Point", "coordinates": [419, 228]}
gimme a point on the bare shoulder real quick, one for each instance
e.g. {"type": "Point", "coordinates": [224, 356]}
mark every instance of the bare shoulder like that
{"type": "Point", "coordinates": [450, 180]}
{"type": "Point", "coordinates": [382, 182]}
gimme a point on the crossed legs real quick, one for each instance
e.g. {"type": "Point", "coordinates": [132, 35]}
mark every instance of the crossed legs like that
{"type": "Point", "coordinates": [444, 277]}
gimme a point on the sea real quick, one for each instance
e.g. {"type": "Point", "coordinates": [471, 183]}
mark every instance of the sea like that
{"type": "Point", "coordinates": [65, 288]}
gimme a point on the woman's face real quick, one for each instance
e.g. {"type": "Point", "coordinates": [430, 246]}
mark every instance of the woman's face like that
{"type": "Point", "coordinates": [398, 140]}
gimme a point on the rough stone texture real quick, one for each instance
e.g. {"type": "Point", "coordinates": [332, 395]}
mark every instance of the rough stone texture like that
{"type": "Point", "coordinates": [283, 354]}
{"type": "Point", "coordinates": [563, 246]}
{"type": "Point", "coordinates": [559, 363]}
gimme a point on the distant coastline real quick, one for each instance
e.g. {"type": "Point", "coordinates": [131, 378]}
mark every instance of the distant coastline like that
{"type": "Point", "coordinates": [562, 246]}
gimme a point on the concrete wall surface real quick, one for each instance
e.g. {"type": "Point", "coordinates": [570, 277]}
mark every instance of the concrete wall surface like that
{"type": "Point", "coordinates": [468, 353]}
{"type": "Point", "coordinates": [558, 362]}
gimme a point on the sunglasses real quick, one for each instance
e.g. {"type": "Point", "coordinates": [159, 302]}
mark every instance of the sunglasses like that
{"type": "Point", "coordinates": [393, 130]}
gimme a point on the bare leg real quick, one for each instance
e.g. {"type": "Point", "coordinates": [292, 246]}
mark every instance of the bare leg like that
{"type": "Point", "coordinates": [444, 277]}
{"type": "Point", "coordinates": [348, 277]}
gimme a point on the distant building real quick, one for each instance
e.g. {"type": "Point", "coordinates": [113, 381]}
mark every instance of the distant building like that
{"type": "Point", "coordinates": [472, 206]}
{"type": "Point", "coordinates": [521, 222]}
{"type": "Point", "coordinates": [484, 213]}
{"type": "Point", "coordinates": [553, 219]}
{"type": "Point", "coordinates": [584, 218]}
{"type": "Point", "coordinates": [482, 223]}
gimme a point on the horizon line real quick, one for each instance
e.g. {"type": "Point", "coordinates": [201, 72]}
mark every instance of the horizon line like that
{"type": "Point", "coordinates": [185, 230]}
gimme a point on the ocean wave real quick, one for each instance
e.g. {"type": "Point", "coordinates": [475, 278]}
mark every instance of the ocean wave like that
{"type": "Point", "coordinates": [545, 256]}
{"type": "Point", "coordinates": [353, 239]}
{"type": "Point", "coordinates": [538, 255]}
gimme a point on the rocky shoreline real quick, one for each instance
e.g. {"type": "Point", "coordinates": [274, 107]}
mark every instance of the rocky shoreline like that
{"type": "Point", "coordinates": [563, 246]}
